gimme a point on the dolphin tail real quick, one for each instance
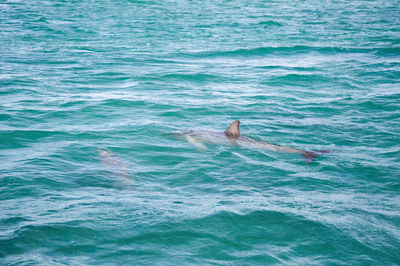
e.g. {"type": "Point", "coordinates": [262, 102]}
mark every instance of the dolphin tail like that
{"type": "Point", "coordinates": [310, 156]}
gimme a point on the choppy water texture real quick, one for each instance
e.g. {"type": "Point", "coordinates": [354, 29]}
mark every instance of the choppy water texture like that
{"type": "Point", "coordinates": [91, 90]}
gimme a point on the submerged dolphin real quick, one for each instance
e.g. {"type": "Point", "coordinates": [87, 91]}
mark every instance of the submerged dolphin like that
{"type": "Point", "coordinates": [232, 136]}
{"type": "Point", "coordinates": [114, 163]}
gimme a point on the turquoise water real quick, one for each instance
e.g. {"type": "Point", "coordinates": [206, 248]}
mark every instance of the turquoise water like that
{"type": "Point", "coordinates": [91, 91]}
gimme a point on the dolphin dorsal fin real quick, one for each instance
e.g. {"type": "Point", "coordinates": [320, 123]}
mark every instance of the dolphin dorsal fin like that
{"type": "Point", "coordinates": [233, 130]}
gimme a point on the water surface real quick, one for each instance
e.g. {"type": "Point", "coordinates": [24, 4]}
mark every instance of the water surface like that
{"type": "Point", "coordinates": [119, 76]}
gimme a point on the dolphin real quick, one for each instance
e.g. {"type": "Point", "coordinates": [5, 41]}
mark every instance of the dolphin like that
{"type": "Point", "coordinates": [232, 136]}
{"type": "Point", "coordinates": [114, 163]}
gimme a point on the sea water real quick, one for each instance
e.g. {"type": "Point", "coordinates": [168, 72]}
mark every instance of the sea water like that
{"type": "Point", "coordinates": [88, 87]}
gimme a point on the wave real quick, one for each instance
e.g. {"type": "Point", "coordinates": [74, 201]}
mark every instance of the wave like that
{"type": "Point", "coordinates": [191, 77]}
{"type": "Point", "coordinates": [27, 238]}
{"type": "Point", "coordinates": [270, 23]}
{"type": "Point", "coordinates": [289, 50]}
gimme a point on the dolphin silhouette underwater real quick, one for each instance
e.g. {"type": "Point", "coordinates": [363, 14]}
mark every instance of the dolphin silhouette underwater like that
{"type": "Point", "coordinates": [114, 163]}
{"type": "Point", "coordinates": [232, 136]}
